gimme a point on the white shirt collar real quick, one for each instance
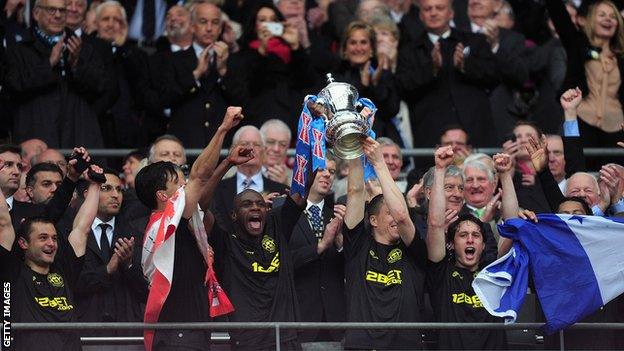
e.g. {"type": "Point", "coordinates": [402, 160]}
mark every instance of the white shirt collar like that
{"type": "Point", "coordinates": [198, 49]}
{"type": "Point", "coordinates": [9, 201]}
{"type": "Point", "coordinates": [475, 28]}
{"type": "Point", "coordinates": [319, 205]}
{"type": "Point", "coordinates": [176, 48]}
{"type": "Point", "coordinates": [434, 37]}
{"type": "Point", "coordinates": [97, 222]}
{"type": "Point", "coordinates": [258, 182]}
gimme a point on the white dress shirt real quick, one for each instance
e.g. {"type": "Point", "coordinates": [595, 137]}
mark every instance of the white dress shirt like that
{"type": "Point", "coordinates": [98, 232]}
{"type": "Point", "coordinates": [257, 182]}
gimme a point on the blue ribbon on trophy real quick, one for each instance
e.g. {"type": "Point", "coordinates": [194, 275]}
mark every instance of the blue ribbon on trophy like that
{"type": "Point", "coordinates": [340, 124]}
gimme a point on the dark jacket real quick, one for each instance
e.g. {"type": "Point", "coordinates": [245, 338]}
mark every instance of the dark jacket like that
{"type": "Point", "coordinates": [450, 96]}
{"type": "Point", "coordinates": [276, 88]}
{"type": "Point", "coordinates": [117, 297]}
{"type": "Point", "coordinates": [197, 109]}
{"type": "Point", "coordinates": [319, 279]}
{"type": "Point", "coordinates": [385, 95]}
{"type": "Point", "coordinates": [51, 103]}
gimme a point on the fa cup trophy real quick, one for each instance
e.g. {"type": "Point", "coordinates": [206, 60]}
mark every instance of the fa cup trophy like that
{"type": "Point", "coordinates": [338, 104]}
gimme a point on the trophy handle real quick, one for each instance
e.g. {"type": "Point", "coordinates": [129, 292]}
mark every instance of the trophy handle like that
{"type": "Point", "coordinates": [317, 108]}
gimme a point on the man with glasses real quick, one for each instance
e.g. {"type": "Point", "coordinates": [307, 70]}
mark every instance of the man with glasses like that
{"type": "Point", "coordinates": [52, 78]}
{"type": "Point", "coordinates": [248, 176]}
{"type": "Point", "coordinates": [277, 137]}
{"type": "Point", "coordinates": [111, 286]}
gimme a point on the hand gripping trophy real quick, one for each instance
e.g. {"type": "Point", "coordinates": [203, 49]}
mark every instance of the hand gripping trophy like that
{"type": "Point", "coordinates": [347, 118]}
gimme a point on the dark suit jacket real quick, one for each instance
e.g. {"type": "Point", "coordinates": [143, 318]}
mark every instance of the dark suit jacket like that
{"type": "Point", "coordinates": [118, 297]}
{"type": "Point", "coordinates": [451, 96]}
{"type": "Point", "coordinates": [53, 210]}
{"type": "Point", "coordinates": [222, 203]}
{"type": "Point", "coordinates": [319, 279]}
{"type": "Point", "coordinates": [197, 110]}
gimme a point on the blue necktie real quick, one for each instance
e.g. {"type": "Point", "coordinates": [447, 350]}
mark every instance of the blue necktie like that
{"type": "Point", "coordinates": [316, 220]}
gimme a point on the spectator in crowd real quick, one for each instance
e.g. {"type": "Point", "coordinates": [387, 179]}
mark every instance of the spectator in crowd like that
{"type": "Point", "coordinates": [381, 259]}
{"type": "Point", "coordinates": [509, 51]}
{"type": "Point", "coordinates": [370, 73]}
{"type": "Point", "coordinates": [156, 184]}
{"type": "Point", "coordinates": [479, 187]}
{"type": "Point", "coordinates": [50, 66]}
{"type": "Point", "coordinates": [131, 164]}
{"type": "Point", "coordinates": [121, 125]}
{"type": "Point", "coordinates": [277, 138]}
{"type": "Point", "coordinates": [9, 182]}
{"type": "Point", "coordinates": [248, 176]}
{"type": "Point", "coordinates": [456, 137]}
{"type": "Point", "coordinates": [167, 148]}
{"type": "Point", "coordinates": [111, 286]}
{"type": "Point", "coordinates": [146, 20]}
{"type": "Point", "coordinates": [42, 181]}
{"type": "Point", "coordinates": [387, 35]}
{"type": "Point", "coordinates": [594, 55]}
{"type": "Point", "coordinates": [51, 156]}
{"type": "Point", "coordinates": [556, 160]}
{"type": "Point", "coordinates": [179, 37]}
{"type": "Point", "coordinates": [277, 66]}
{"type": "Point", "coordinates": [316, 248]}
{"type": "Point", "coordinates": [530, 194]}
{"type": "Point", "coordinates": [42, 284]}
{"type": "Point", "coordinates": [393, 158]}
{"type": "Point", "coordinates": [450, 282]}
{"type": "Point", "coordinates": [367, 9]}
{"type": "Point", "coordinates": [200, 81]}
{"type": "Point", "coordinates": [444, 75]}
{"type": "Point", "coordinates": [30, 149]}
{"type": "Point", "coordinates": [76, 11]}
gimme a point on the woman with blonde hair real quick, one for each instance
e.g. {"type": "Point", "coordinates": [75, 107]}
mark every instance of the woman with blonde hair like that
{"type": "Point", "coordinates": [595, 57]}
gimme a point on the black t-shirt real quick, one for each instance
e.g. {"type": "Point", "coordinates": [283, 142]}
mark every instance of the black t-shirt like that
{"type": "Point", "coordinates": [188, 298]}
{"type": "Point", "coordinates": [257, 275]}
{"type": "Point", "coordinates": [384, 284]}
{"type": "Point", "coordinates": [43, 298]}
{"type": "Point", "coordinates": [454, 301]}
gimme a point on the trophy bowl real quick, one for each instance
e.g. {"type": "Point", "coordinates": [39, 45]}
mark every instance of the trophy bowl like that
{"type": "Point", "coordinates": [345, 125]}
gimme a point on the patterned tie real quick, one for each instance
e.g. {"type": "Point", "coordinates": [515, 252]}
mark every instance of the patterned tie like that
{"type": "Point", "coordinates": [104, 244]}
{"type": "Point", "coordinates": [247, 183]}
{"type": "Point", "coordinates": [317, 221]}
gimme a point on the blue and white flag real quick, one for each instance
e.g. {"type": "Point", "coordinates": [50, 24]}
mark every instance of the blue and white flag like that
{"type": "Point", "coordinates": [577, 265]}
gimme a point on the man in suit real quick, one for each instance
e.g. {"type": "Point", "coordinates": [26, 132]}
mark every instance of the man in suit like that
{"type": "Point", "coordinates": [146, 20]}
{"type": "Point", "coordinates": [111, 287]}
{"type": "Point", "coordinates": [47, 67]}
{"type": "Point", "coordinates": [42, 181]}
{"type": "Point", "coordinates": [248, 176]}
{"type": "Point", "coordinates": [276, 135]}
{"type": "Point", "coordinates": [319, 264]}
{"type": "Point", "coordinates": [509, 51]}
{"type": "Point", "coordinates": [9, 183]}
{"type": "Point", "coordinates": [199, 82]}
{"type": "Point", "coordinates": [445, 75]}
{"type": "Point", "coordinates": [179, 37]}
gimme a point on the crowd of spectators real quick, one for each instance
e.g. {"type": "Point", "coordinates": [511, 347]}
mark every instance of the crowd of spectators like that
{"type": "Point", "coordinates": [541, 79]}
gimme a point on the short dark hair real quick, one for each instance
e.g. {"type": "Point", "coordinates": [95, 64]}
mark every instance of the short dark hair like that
{"type": "Point", "coordinates": [152, 178]}
{"type": "Point", "coordinates": [10, 148]}
{"type": "Point", "coordinates": [455, 127]}
{"type": "Point", "coordinates": [26, 226]}
{"type": "Point", "coordinates": [580, 200]}
{"type": "Point", "coordinates": [453, 227]}
{"type": "Point", "coordinates": [374, 205]}
{"type": "Point", "coordinates": [138, 154]}
{"type": "Point", "coordinates": [41, 167]}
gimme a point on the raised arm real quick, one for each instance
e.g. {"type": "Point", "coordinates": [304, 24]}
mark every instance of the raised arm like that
{"type": "Point", "coordinates": [504, 167]}
{"type": "Point", "coordinates": [393, 197]}
{"type": "Point", "coordinates": [204, 166]}
{"type": "Point", "coordinates": [355, 194]}
{"type": "Point", "coordinates": [85, 217]}
{"type": "Point", "coordinates": [436, 221]}
{"type": "Point", "coordinates": [7, 233]}
{"type": "Point", "coordinates": [238, 155]}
